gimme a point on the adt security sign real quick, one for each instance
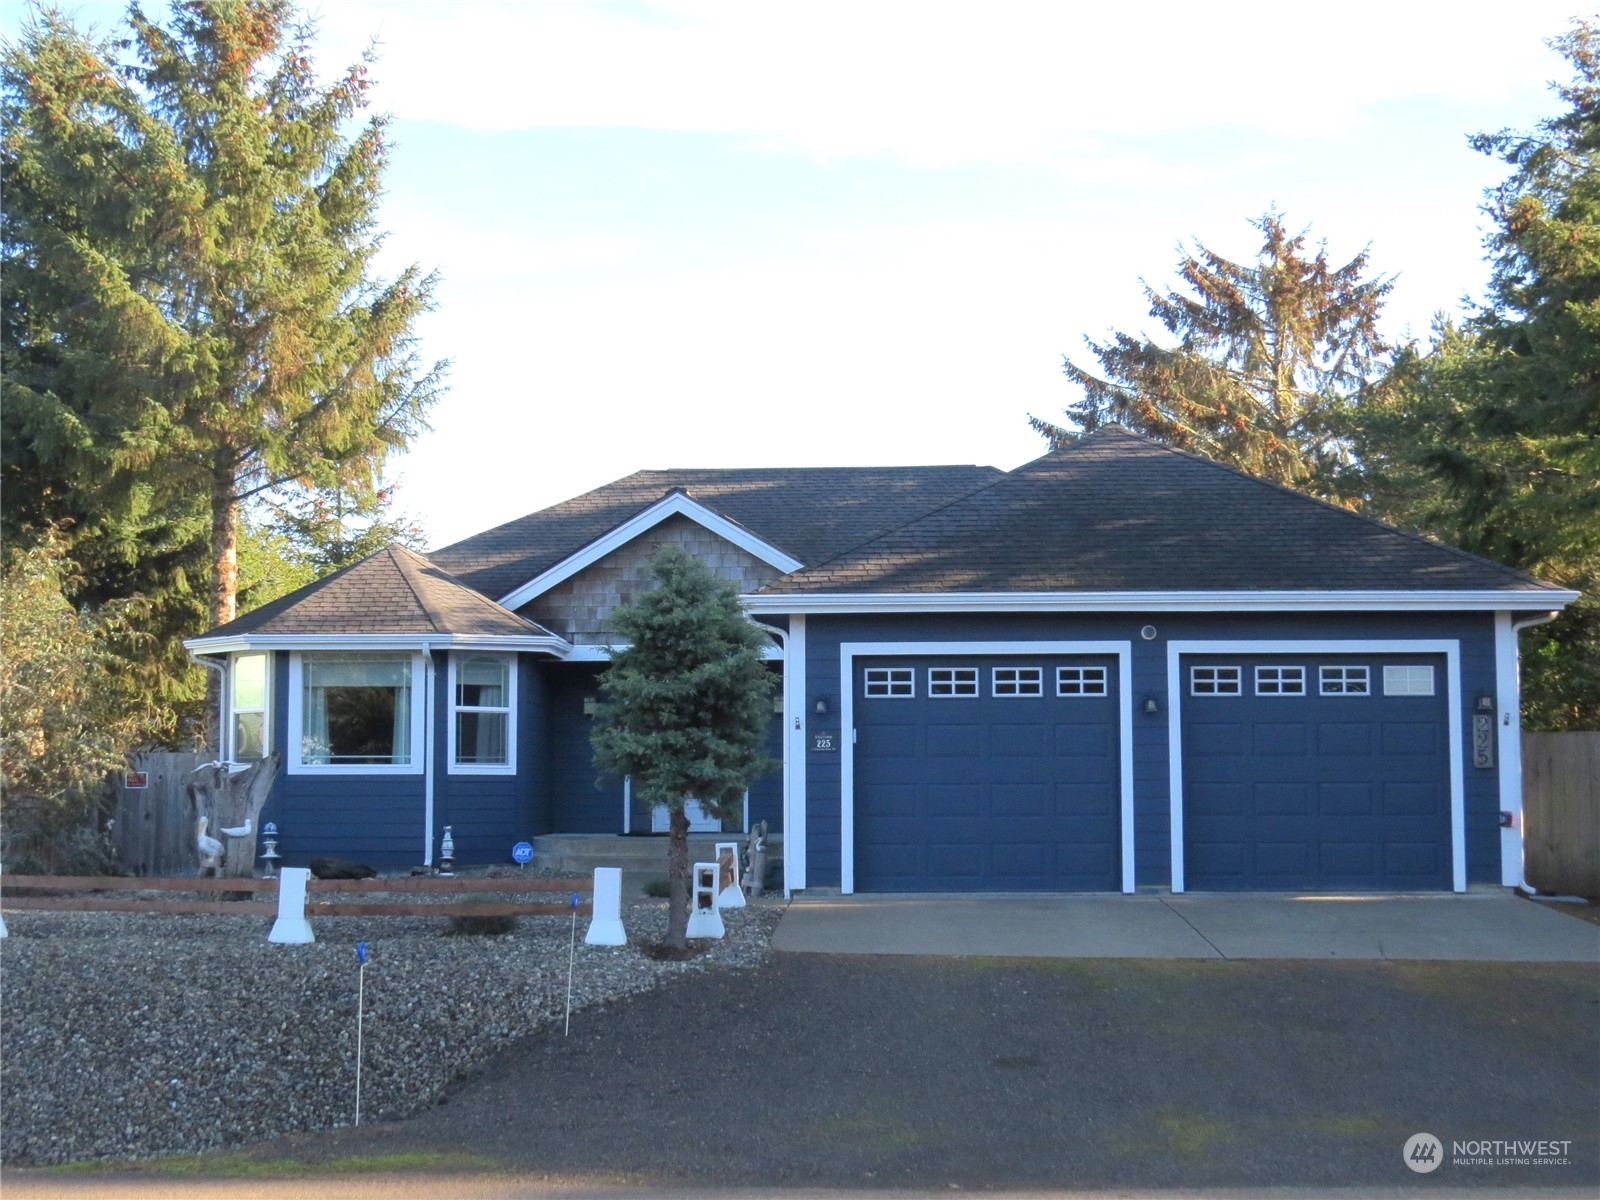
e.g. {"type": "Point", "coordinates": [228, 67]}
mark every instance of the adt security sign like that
{"type": "Point", "coordinates": [522, 852]}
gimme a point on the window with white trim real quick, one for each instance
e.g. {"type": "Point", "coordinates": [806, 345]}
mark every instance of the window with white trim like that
{"type": "Point", "coordinates": [1408, 680]}
{"type": "Point", "coordinates": [356, 711]}
{"type": "Point", "coordinates": [952, 681]}
{"type": "Point", "coordinates": [483, 691]}
{"type": "Point", "coordinates": [894, 682]}
{"type": "Point", "coordinates": [1080, 681]}
{"type": "Point", "coordinates": [1019, 681]}
{"type": "Point", "coordinates": [1216, 681]}
{"type": "Point", "coordinates": [1345, 681]}
{"type": "Point", "coordinates": [247, 704]}
{"type": "Point", "coordinates": [1280, 681]}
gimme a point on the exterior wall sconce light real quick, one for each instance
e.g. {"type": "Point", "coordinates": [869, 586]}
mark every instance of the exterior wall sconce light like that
{"type": "Point", "coordinates": [1151, 705]}
{"type": "Point", "coordinates": [590, 706]}
{"type": "Point", "coordinates": [821, 707]}
{"type": "Point", "coordinates": [1485, 702]}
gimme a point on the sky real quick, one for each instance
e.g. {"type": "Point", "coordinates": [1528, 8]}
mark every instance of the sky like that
{"type": "Point", "coordinates": [773, 233]}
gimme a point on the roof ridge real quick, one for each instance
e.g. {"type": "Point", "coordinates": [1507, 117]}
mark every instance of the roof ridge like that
{"type": "Point", "coordinates": [435, 618]}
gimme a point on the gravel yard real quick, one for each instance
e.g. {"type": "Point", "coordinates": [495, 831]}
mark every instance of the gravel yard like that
{"type": "Point", "coordinates": [135, 1035]}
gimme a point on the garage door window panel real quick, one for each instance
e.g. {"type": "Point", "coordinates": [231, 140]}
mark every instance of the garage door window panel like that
{"type": "Point", "coordinates": [1408, 680]}
{"type": "Point", "coordinates": [1216, 681]}
{"type": "Point", "coordinates": [1344, 681]}
{"type": "Point", "coordinates": [890, 683]}
{"type": "Point", "coordinates": [1280, 681]}
{"type": "Point", "coordinates": [1080, 681]}
{"type": "Point", "coordinates": [1019, 681]}
{"type": "Point", "coordinates": [952, 683]}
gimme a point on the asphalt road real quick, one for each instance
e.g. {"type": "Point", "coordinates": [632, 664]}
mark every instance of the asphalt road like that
{"type": "Point", "coordinates": [890, 1073]}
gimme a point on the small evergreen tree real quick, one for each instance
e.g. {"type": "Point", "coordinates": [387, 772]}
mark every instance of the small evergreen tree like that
{"type": "Point", "coordinates": [686, 705]}
{"type": "Point", "coordinates": [1267, 355]}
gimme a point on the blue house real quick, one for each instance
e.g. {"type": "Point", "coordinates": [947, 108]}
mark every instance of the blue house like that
{"type": "Point", "coordinates": [1116, 666]}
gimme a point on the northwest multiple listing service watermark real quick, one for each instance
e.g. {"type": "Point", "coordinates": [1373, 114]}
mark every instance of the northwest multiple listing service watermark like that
{"type": "Point", "coordinates": [1424, 1153]}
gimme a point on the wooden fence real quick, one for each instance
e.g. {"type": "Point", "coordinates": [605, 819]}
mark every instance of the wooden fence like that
{"type": "Point", "coordinates": [95, 893]}
{"type": "Point", "coordinates": [155, 824]}
{"type": "Point", "coordinates": [1561, 812]}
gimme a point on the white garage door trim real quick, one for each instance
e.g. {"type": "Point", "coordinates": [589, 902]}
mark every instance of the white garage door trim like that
{"type": "Point", "coordinates": [1450, 648]}
{"type": "Point", "coordinates": [850, 651]}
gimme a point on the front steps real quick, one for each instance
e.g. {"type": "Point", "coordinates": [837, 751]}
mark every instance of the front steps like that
{"type": "Point", "coordinates": [642, 857]}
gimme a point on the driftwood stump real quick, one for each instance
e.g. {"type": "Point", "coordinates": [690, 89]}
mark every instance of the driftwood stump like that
{"type": "Point", "coordinates": [755, 857]}
{"type": "Point", "coordinates": [227, 800]}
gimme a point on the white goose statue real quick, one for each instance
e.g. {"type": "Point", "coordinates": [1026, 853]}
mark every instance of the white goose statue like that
{"type": "Point", "coordinates": [210, 849]}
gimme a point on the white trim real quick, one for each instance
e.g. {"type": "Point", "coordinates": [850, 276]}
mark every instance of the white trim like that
{"type": "Point", "coordinates": [430, 677]}
{"type": "Point", "coordinates": [509, 767]}
{"type": "Point", "coordinates": [627, 804]}
{"type": "Point", "coordinates": [1508, 700]}
{"type": "Point", "coordinates": [850, 651]}
{"type": "Point", "coordinates": [794, 792]}
{"type": "Point", "coordinates": [1449, 647]}
{"type": "Point", "coordinates": [1222, 601]}
{"type": "Point", "coordinates": [675, 505]}
{"type": "Point", "coordinates": [242, 642]}
{"type": "Point", "coordinates": [419, 729]}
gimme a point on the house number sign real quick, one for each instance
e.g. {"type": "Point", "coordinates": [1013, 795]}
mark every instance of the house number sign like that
{"type": "Point", "coordinates": [1483, 739]}
{"type": "Point", "coordinates": [824, 741]}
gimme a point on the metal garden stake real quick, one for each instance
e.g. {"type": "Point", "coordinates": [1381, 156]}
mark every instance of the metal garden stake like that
{"type": "Point", "coordinates": [361, 988]}
{"type": "Point", "coordinates": [572, 950]}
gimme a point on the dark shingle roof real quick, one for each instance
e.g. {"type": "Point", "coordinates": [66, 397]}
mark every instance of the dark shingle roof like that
{"type": "Point", "coordinates": [1114, 512]}
{"type": "Point", "coordinates": [810, 513]}
{"type": "Point", "coordinates": [395, 591]}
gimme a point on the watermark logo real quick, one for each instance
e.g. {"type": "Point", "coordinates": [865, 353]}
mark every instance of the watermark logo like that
{"type": "Point", "coordinates": [1423, 1153]}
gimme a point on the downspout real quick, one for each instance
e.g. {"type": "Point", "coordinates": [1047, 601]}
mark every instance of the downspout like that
{"type": "Point", "coordinates": [428, 677]}
{"type": "Point", "coordinates": [1516, 709]}
{"type": "Point", "coordinates": [220, 666]}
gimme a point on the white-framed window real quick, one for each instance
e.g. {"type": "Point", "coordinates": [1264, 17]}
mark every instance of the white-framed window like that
{"type": "Point", "coordinates": [1280, 681]}
{"type": "Point", "coordinates": [1080, 681]}
{"type": "Point", "coordinates": [1345, 681]}
{"type": "Point", "coordinates": [483, 706]}
{"type": "Point", "coordinates": [355, 713]}
{"type": "Point", "coordinates": [249, 685]}
{"type": "Point", "coordinates": [1409, 680]}
{"type": "Point", "coordinates": [1019, 681]}
{"type": "Point", "coordinates": [952, 681]}
{"type": "Point", "coordinates": [1216, 681]}
{"type": "Point", "coordinates": [894, 682]}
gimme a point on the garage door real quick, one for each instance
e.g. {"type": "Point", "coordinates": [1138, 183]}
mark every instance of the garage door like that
{"type": "Point", "coordinates": [986, 774]}
{"type": "Point", "coordinates": [1316, 773]}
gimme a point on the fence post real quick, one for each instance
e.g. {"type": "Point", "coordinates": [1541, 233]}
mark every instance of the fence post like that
{"type": "Point", "coordinates": [605, 919]}
{"type": "Point", "coordinates": [291, 927]}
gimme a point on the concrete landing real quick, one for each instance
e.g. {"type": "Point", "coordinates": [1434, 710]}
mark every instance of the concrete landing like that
{"type": "Point", "coordinates": [1478, 926]}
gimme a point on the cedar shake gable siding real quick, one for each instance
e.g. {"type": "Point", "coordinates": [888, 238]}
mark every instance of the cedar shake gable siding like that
{"type": "Point", "coordinates": [811, 513]}
{"type": "Point", "coordinates": [1115, 512]}
{"type": "Point", "coordinates": [395, 591]}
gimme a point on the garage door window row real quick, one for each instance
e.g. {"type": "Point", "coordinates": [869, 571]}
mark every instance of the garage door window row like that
{"type": "Point", "coordinates": [956, 683]}
{"type": "Point", "coordinates": [1402, 680]}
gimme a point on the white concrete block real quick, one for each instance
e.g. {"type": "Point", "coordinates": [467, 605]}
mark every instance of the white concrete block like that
{"type": "Point", "coordinates": [291, 927]}
{"type": "Point", "coordinates": [605, 923]}
{"type": "Point", "coordinates": [729, 893]}
{"type": "Point", "coordinates": [4, 932]}
{"type": "Point", "coordinates": [704, 919]}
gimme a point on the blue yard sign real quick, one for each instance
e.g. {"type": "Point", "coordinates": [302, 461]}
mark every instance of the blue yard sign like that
{"type": "Point", "coordinates": [522, 852]}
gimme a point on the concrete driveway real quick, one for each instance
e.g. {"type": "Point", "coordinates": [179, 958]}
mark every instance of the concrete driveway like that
{"type": "Point", "coordinates": [1488, 926]}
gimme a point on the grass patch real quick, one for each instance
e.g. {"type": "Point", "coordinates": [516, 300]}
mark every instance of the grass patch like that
{"type": "Point", "coordinates": [238, 1164]}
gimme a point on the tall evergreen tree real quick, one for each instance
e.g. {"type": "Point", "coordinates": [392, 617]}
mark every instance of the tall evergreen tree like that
{"type": "Point", "coordinates": [1266, 356]}
{"type": "Point", "coordinates": [686, 705]}
{"type": "Point", "coordinates": [191, 316]}
{"type": "Point", "coordinates": [1494, 442]}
